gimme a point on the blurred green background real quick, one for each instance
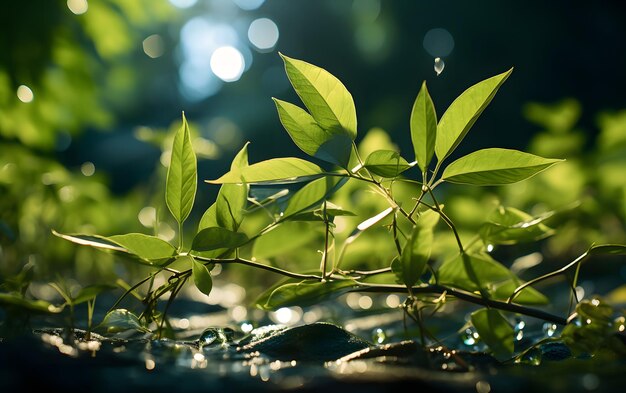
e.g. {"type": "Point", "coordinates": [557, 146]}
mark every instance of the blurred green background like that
{"type": "Point", "coordinates": [91, 90]}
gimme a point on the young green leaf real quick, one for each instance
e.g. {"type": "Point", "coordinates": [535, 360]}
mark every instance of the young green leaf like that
{"type": "Point", "coordinates": [201, 277]}
{"type": "Point", "coordinates": [215, 238]}
{"type": "Point", "coordinates": [120, 320]}
{"type": "Point", "coordinates": [482, 273]}
{"type": "Point", "coordinates": [495, 331]}
{"type": "Point", "coordinates": [386, 163]}
{"type": "Point", "coordinates": [141, 244]}
{"type": "Point", "coordinates": [209, 218]}
{"type": "Point", "coordinates": [463, 113]}
{"type": "Point", "coordinates": [507, 225]}
{"type": "Point", "coordinates": [416, 252]}
{"type": "Point", "coordinates": [273, 244]}
{"type": "Point", "coordinates": [145, 247]}
{"type": "Point", "coordinates": [423, 128]}
{"type": "Point", "coordinates": [312, 139]}
{"type": "Point", "coordinates": [326, 98]}
{"type": "Point", "coordinates": [273, 171]}
{"type": "Point", "coordinates": [11, 300]}
{"type": "Point", "coordinates": [181, 183]}
{"type": "Point", "coordinates": [489, 167]}
{"type": "Point", "coordinates": [303, 293]}
{"type": "Point", "coordinates": [312, 194]}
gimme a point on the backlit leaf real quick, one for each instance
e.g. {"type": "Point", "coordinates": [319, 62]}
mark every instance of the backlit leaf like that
{"type": "Point", "coordinates": [463, 113]}
{"type": "Point", "coordinates": [507, 225]}
{"type": "Point", "coordinates": [312, 139]}
{"type": "Point", "coordinates": [215, 238]}
{"type": "Point", "coordinates": [146, 247]}
{"type": "Point", "coordinates": [476, 273]}
{"type": "Point", "coordinates": [120, 320]}
{"type": "Point", "coordinates": [312, 194]}
{"type": "Point", "coordinates": [386, 163]}
{"type": "Point", "coordinates": [180, 189]}
{"type": "Point", "coordinates": [495, 331]}
{"type": "Point", "coordinates": [423, 128]}
{"type": "Point", "coordinates": [303, 293]}
{"type": "Point", "coordinates": [495, 166]}
{"type": "Point", "coordinates": [273, 171]}
{"type": "Point", "coordinates": [326, 98]}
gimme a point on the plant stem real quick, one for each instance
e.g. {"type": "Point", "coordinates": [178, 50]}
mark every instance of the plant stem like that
{"type": "Point", "coordinates": [446, 219]}
{"type": "Point", "coordinates": [546, 276]}
{"type": "Point", "coordinates": [273, 269]}
{"type": "Point", "coordinates": [326, 235]}
{"type": "Point", "coordinates": [466, 296]}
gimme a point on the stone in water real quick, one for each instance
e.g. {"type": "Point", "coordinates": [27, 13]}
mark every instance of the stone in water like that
{"type": "Point", "coordinates": [439, 65]}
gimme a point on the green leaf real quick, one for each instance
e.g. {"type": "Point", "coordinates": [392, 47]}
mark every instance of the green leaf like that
{"type": "Point", "coordinates": [274, 171]}
{"type": "Point", "coordinates": [90, 292]}
{"type": "Point", "coordinates": [232, 199]}
{"type": "Point", "coordinates": [303, 293]}
{"type": "Point", "coordinates": [326, 98]}
{"type": "Point", "coordinates": [386, 163]}
{"type": "Point", "coordinates": [495, 331]}
{"type": "Point", "coordinates": [286, 237]}
{"type": "Point", "coordinates": [477, 273]}
{"type": "Point", "coordinates": [215, 238]}
{"type": "Point", "coordinates": [209, 218]}
{"type": "Point", "coordinates": [489, 167]}
{"type": "Point", "coordinates": [146, 247]}
{"type": "Point", "coordinates": [507, 225]}
{"type": "Point", "coordinates": [312, 194]}
{"type": "Point", "coordinates": [331, 211]}
{"type": "Point", "coordinates": [17, 300]}
{"type": "Point", "coordinates": [463, 113]}
{"type": "Point", "coordinates": [120, 320]}
{"type": "Point", "coordinates": [182, 177]}
{"type": "Point", "coordinates": [108, 245]}
{"type": "Point", "coordinates": [416, 252]}
{"type": "Point", "coordinates": [311, 138]}
{"type": "Point", "coordinates": [423, 128]}
{"type": "Point", "coordinates": [201, 277]}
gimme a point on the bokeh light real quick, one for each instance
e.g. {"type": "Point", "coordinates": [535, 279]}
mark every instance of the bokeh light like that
{"type": "Point", "coordinates": [78, 7]}
{"type": "Point", "coordinates": [438, 42]}
{"type": "Point", "coordinates": [249, 5]}
{"type": "Point", "coordinates": [227, 63]}
{"type": "Point", "coordinates": [25, 94]}
{"type": "Point", "coordinates": [263, 34]}
{"type": "Point", "coordinates": [153, 46]}
{"type": "Point", "coordinates": [183, 3]}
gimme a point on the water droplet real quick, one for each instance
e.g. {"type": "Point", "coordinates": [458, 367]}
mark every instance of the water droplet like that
{"type": "Point", "coordinates": [549, 329]}
{"type": "Point", "coordinates": [209, 336]}
{"type": "Point", "coordinates": [532, 357]}
{"type": "Point", "coordinates": [439, 65]}
{"type": "Point", "coordinates": [470, 337]}
{"type": "Point", "coordinates": [379, 336]}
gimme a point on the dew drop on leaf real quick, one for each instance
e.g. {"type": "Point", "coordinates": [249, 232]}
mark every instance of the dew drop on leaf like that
{"type": "Point", "coordinates": [209, 336]}
{"type": "Point", "coordinates": [439, 65]}
{"type": "Point", "coordinates": [379, 336]}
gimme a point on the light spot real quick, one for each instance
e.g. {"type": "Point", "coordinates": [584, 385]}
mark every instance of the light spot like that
{"type": "Point", "coordinates": [249, 5]}
{"type": "Point", "coordinates": [392, 301]}
{"type": "Point", "coordinates": [88, 168]}
{"type": "Point", "coordinates": [183, 3]}
{"type": "Point", "coordinates": [438, 42]}
{"type": "Point", "coordinates": [365, 302]}
{"type": "Point", "coordinates": [483, 387]}
{"type": "Point", "coordinates": [246, 327]}
{"type": "Point", "coordinates": [263, 34]}
{"type": "Point", "coordinates": [283, 315]}
{"type": "Point", "coordinates": [25, 94]}
{"type": "Point", "coordinates": [227, 63]}
{"type": "Point", "coordinates": [238, 313]}
{"type": "Point", "coordinates": [489, 246]}
{"type": "Point", "coordinates": [153, 46]}
{"type": "Point", "coordinates": [147, 216]}
{"type": "Point", "coordinates": [150, 364]}
{"type": "Point", "coordinates": [590, 381]}
{"type": "Point", "coordinates": [78, 7]}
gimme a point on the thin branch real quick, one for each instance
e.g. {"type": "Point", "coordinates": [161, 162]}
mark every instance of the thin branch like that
{"type": "Point", "coordinates": [466, 296]}
{"type": "Point", "coordinates": [273, 269]}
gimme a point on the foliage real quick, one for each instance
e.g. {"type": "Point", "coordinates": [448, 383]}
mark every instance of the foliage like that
{"type": "Point", "coordinates": [402, 203]}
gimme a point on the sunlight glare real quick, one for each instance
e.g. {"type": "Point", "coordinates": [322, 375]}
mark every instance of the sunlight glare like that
{"type": "Point", "coordinates": [263, 34]}
{"type": "Point", "coordinates": [78, 7]}
{"type": "Point", "coordinates": [25, 94]}
{"type": "Point", "coordinates": [227, 63]}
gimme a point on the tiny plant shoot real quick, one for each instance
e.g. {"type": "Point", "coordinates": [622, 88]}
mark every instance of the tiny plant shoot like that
{"type": "Point", "coordinates": [326, 129]}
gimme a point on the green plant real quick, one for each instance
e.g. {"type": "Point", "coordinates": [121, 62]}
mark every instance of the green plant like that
{"type": "Point", "coordinates": [327, 132]}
